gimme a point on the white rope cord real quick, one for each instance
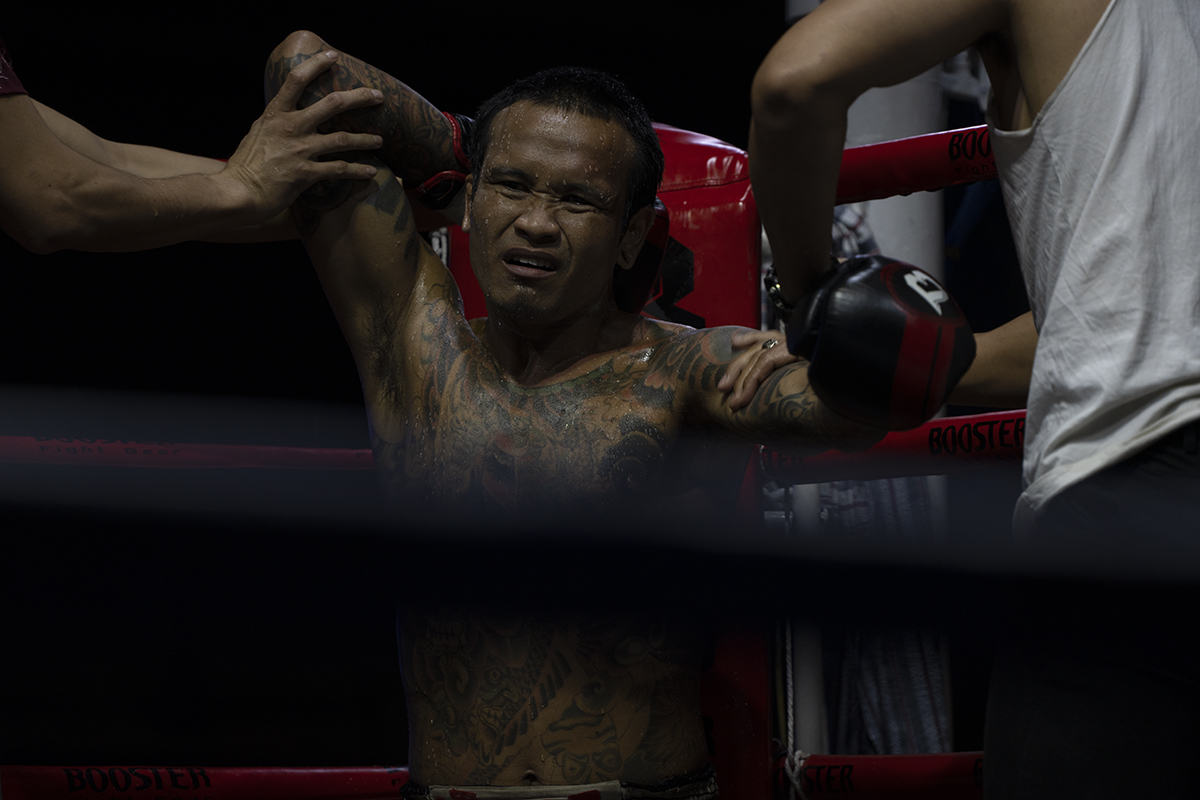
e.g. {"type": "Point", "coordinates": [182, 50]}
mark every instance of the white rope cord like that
{"type": "Point", "coordinates": [794, 763]}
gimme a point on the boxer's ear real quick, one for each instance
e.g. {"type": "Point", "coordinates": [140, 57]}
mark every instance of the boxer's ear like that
{"type": "Point", "coordinates": [634, 237]}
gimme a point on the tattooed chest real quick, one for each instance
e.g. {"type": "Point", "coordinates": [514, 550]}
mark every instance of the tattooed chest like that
{"type": "Point", "coordinates": [587, 444]}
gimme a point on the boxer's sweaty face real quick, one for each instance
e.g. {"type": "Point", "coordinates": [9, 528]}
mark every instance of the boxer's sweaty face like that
{"type": "Point", "coordinates": [545, 218]}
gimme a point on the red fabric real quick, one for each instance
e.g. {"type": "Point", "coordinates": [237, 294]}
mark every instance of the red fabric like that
{"type": "Point", "coordinates": [706, 188]}
{"type": "Point", "coordinates": [169, 455]}
{"type": "Point", "coordinates": [939, 447]}
{"type": "Point", "coordinates": [936, 776]}
{"type": "Point", "coordinates": [916, 164]}
{"type": "Point", "coordinates": [89, 782]}
{"type": "Point", "coordinates": [9, 82]}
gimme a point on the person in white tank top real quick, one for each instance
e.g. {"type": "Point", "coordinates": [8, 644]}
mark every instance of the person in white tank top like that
{"type": "Point", "coordinates": [1093, 121]}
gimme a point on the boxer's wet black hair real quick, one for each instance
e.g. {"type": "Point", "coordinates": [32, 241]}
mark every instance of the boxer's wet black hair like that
{"type": "Point", "coordinates": [594, 94]}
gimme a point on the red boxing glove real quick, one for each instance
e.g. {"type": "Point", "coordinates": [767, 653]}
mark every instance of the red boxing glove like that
{"type": "Point", "coordinates": [885, 341]}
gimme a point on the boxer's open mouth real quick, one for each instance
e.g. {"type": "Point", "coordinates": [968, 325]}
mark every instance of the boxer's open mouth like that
{"type": "Point", "coordinates": [532, 263]}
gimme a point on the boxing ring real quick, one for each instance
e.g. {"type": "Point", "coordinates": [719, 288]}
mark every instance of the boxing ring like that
{"type": "Point", "coordinates": [711, 219]}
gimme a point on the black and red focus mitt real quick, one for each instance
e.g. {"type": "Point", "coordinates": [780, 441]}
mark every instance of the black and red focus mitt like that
{"type": "Point", "coordinates": [885, 341]}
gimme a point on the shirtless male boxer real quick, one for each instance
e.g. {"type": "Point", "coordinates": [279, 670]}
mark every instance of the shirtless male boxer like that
{"type": "Point", "coordinates": [558, 406]}
{"type": "Point", "coordinates": [1092, 123]}
{"type": "Point", "coordinates": [61, 186]}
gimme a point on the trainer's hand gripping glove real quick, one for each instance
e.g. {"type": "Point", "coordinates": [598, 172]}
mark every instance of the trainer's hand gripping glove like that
{"type": "Point", "coordinates": [886, 343]}
{"type": "Point", "coordinates": [436, 192]}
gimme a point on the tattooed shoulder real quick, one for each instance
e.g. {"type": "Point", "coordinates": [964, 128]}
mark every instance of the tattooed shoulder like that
{"type": "Point", "coordinates": [695, 359]}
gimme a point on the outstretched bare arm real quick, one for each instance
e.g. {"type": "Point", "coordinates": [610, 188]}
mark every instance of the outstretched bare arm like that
{"type": "Point", "coordinates": [60, 187]}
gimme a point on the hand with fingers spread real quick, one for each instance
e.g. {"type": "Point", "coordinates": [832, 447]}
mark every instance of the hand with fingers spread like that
{"type": "Point", "coordinates": [282, 154]}
{"type": "Point", "coordinates": [763, 352]}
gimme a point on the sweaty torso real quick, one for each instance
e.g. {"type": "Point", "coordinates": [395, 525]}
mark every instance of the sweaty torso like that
{"type": "Point", "coordinates": [610, 435]}
{"type": "Point", "coordinates": [550, 697]}
{"type": "Point", "coordinates": [538, 693]}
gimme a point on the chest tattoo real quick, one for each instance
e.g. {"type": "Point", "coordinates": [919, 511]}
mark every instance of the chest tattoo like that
{"type": "Point", "coordinates": [475, 440]}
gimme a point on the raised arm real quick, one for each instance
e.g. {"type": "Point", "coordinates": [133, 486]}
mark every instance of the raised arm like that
{"type": "Point", "coordinates": [800, 97]}
{"type": "Point", "coordinates": [386, 286]}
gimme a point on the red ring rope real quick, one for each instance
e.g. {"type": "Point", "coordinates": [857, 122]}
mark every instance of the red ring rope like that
{"type": "Point", "coordinates": [949, 776]}
{"type": "Point", "coordinates": [949, 444]}
{"type": "Point", "coordinates": [940, 446]}
{"type": "Point", "coordinates": [917, 164]}
{"type": "Point", "coordinates": [52, 450]}
{"type": "Point", "coordinates": [201, 783]}
{"type": "Point", "coordinates": [940, 776]}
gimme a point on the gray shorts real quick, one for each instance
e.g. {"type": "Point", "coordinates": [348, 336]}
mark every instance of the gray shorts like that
{"type": "Point", "coordinates": [701, 786]}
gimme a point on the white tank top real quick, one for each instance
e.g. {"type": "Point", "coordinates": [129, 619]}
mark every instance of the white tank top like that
{"type": "Point", "coordinates": [1103, 193]}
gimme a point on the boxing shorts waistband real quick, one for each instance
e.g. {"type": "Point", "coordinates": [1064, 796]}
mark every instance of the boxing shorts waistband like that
{"type": "Point", "coordinates": [700, 786]}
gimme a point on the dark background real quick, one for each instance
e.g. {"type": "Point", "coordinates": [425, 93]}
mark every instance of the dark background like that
{"type": "Point", "coordinates": [204, 638]}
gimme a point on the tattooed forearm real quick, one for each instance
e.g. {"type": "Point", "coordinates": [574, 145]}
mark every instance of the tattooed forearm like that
{"type": "Point", "coordinates": [784, 410]}
{"type": "Point", "coordinates": [788, 410]}
{"type": "Point", "coordinates": [417, 139]}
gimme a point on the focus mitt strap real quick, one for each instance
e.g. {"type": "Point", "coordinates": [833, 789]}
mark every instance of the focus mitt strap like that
{"type": "Point", "coordinates": [885, 341]}
{"type": "Point", "coordinates": [437, 192]}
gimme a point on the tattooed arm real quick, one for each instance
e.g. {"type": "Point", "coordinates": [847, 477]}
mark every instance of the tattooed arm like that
{"type": "Point", "coordinates": [783, 410]}
{"type": "Point", "coordinates": [362, 238]}
{"type": "Point", "coordinates": [418, 141]}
